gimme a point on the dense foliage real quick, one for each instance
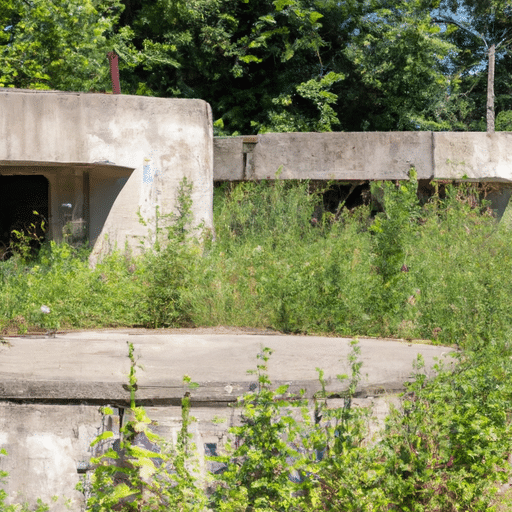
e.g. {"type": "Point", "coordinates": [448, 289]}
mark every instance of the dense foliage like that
{"type": "Point", "coordinates": [434, 271]}
{"type": "Point", "coordinates": [274, 65]}
{"type": "Point", "coordinates": [437, 270]}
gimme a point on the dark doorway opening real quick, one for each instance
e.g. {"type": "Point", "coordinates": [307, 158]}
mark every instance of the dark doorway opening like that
{"type": "Point", "coordinates": [20, 197]}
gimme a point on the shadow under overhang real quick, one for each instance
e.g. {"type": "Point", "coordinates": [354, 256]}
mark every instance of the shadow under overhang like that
{"type": "Point", "coordinates": [105, 168]}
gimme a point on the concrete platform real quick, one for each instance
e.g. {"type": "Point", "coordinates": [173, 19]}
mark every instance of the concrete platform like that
{"type": "Point", "coordinates": [50, 390]}
{"type": "Point", "coordinates": [92, 367]}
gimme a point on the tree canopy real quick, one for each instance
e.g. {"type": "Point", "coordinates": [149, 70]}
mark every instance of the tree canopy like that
{"type": "Point", "coordinates": [273, 65]}
{"type": "Point", "coordinates": [482, 32]}
{"type": "Point", "coordinates": [56, 45]}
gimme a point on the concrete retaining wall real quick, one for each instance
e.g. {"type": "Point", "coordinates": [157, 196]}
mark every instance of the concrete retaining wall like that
{"type": "Point", "coordinates": [49, 448]}
{"type": "Point", "coordinates": [346, 156]}
{"type": "Point", "coordinates": [51, 390]}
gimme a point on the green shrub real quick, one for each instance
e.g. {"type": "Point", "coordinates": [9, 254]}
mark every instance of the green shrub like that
{"type": "Point", "coordinates": [170, 265]}
{"type": "Point", "coordinates": [434, 271]}
{"type": "Point", "coordinates": [446, 448]}
{"type": "Point", "coordinates": [259, 458]}
{"type": "Point", "coordinates": [135, 478]}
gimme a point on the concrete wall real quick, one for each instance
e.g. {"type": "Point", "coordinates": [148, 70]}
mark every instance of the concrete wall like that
{"type": "Point", "coordinates": [347, 156]}
{"type": "Point", "coordinates": [44, 444]}
{"type": "Point", "coordinates": [49, 448]}
{"type": "Point", "coordinates": [51, 390]}
{"type": "Point", "coordinates": [96, 140]}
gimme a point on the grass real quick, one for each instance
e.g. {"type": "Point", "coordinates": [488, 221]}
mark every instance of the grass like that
{"type": "Point", "coordinates": [438, 271]}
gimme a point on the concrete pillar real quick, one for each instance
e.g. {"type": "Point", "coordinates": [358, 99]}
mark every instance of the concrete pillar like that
{"type": "Point", "coordinates": [54, 226]}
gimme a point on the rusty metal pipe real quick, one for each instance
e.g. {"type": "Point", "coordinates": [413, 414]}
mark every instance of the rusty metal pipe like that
{"type": "Point", "coordinates": [114, 72]}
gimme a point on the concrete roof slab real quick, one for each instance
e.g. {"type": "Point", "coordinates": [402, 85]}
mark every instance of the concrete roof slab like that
{"type": "Point", "coordinates": [81, 366]}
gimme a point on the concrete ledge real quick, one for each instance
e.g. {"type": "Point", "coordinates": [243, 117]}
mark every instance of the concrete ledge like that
{"type": "Point", "coordinates": [208, 394]}
{"type": "Point", "coordinates": [349, 156]}
{"type": "Point", "coordinates": [482, 157]}
{"type": "Point", "coordinates": [89, 367]}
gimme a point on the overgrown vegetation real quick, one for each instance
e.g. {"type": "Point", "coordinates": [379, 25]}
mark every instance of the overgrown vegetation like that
{"type": "Point", "coordinates": [136, 478]}
{"type": "Point", "coordinates": [436, 271]}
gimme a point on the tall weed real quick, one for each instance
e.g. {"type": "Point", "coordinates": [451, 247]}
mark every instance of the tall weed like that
{"type": "Point", "coordinates": [170, 265]}
{"type": "Point", "coordinates": [436, 271]}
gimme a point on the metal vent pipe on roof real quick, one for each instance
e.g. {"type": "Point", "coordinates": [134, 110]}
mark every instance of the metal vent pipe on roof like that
{"type": "Point", "coordinates": [114, 72]}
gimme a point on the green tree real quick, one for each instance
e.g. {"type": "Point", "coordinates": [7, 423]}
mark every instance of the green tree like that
{"type": "Point", "coordinates": [60, 44]}
{"type": "Point", "coordinates": [294, 65]}
{"type": "Point", "coordinates": [263, 65]}
{"type": "Point", "coordinates": [246, 58]}
{"type": "Point", "coordinates": [482, 31]}
{"type": "Point", "coordinates": [397, 57]}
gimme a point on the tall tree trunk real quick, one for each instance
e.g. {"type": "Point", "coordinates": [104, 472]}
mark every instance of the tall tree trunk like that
{"type": "Point", "coordinates": [490, 90]}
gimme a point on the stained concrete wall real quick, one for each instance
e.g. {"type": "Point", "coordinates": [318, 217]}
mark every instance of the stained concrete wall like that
{"type": "Point", "coordinates": [49, 448]}
{"type": "Point", "coordinates": [100, 139]}
{"type": "Point", "coordinates": [51, 390]}
{"type": "Point", "coordinates": [485, 157]}
{"type": "Point", "coordinates": [348, 156]}
{"type": "Point", "coordinates": [44, 444]}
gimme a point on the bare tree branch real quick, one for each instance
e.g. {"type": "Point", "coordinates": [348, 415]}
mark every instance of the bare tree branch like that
{"type": "Point", "coordinates": [451, 21]}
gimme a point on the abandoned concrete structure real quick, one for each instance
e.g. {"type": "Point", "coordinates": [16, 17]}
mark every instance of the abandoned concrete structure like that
{"type": "Point", "coordinates": [49, 404]}
{"type": "Point", "coordinates": [88, 164]}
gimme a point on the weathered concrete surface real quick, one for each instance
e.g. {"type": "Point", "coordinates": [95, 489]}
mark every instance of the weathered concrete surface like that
{"type": "Point", "coordinates": [228, 159]}
{"type": "Point", "coordinates": [326, 156]}
{"type": "Point", "coordinates": [50, 390]}
{"type": "Point", "coordinates": [45, 443]}
{"type": "Point", "coordinates": [102, 140]}
{"type": "Point", "coordinates": [98, 362]}
{"type": "Point", "coordinates": [343, 156]}
{"type": "Point", "coordinates": [350, 156]}
{"type": "Point", "coordinates": [483, 157]}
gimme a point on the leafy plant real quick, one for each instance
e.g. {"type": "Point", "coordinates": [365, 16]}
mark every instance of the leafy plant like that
{"type": "Point", "coordinates": [446, 448]}
{"type": "Point", "coordinates": [263, 452]}
{"type": "Point", "coordinates": [170, 263]}
{"type": "Point", "coordinates": [136, 477]}
{"type": "Point", "coordinates": [25, 241]}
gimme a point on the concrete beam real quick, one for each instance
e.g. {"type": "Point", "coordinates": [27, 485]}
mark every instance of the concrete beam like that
{"type": "Point", "coordinates": [482, 157]}
{"type": "Point", "coordinates": [324, 156]}
{"type": "Point", "coordinates": [349, 156]}
{"type": "Point", "coordinates": [343, 156]}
